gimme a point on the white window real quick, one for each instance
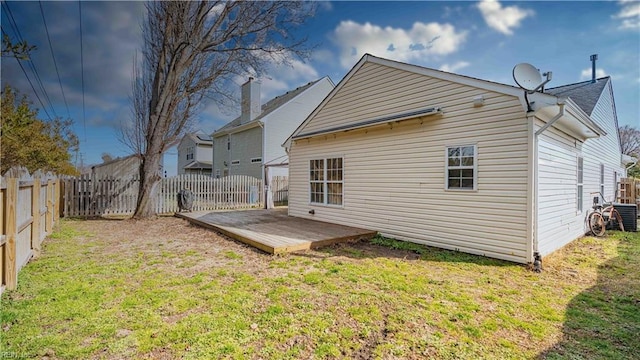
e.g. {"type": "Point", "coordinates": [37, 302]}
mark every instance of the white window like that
{"type": "Point", "coordinates": [256, 160]}
{"type": "Point", "coordinates": [190, 153]}
{"type": "Point", "coordinates": [461, 167]}
{"type": "Point", "coordinates": [235, 162]}
{"type": "Point", "coordinates": [326, 185]}
{"type": "Point", "coordinates": [580, 187]}
{"type": "Point", "coordinates": [217, 173]}
{"type": "Point", "coordinates": [602, 181]}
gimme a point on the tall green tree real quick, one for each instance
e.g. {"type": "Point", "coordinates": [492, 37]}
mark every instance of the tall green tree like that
{"type": "Point", "coordinates": [30, 142]}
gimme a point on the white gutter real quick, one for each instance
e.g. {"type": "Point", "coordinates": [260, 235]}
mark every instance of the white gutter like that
{"type": "Point", "coordinates": [536, 249]}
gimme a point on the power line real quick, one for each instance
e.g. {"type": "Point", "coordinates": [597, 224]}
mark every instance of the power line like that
{"type": "Point", "coordinates": [54, 59]}
{"type": "Point", "coordinates": [84, 113]}
{"type": "Point", "coordinates": [30, 83]}
{"type": "Point", "coordinates": [16, 31]}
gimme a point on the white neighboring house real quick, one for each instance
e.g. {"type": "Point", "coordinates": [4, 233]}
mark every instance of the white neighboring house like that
{"type": "Point", "coordinates": [253, 141]}
{"type": "Point", "coordinates": [456, 162]}
{"type": "Point", "coordinates": [195, 154]}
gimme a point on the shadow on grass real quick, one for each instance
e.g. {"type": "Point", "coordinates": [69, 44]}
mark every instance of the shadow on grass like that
{"type": "Point", "coordinates": [603, 322]}
{"type": "Point", "coordinates": [381, 247]}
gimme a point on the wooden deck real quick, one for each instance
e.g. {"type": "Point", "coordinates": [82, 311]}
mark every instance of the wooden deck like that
{"type": "Point", "coordinates": [275, 232]}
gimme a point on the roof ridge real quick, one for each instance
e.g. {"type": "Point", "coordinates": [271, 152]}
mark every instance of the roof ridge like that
{"type": "Point", "coordinates": [579, 82]}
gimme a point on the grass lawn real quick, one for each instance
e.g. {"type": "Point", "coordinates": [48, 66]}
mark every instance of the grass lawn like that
{"type": "Point", "coordinates": [166, 289]}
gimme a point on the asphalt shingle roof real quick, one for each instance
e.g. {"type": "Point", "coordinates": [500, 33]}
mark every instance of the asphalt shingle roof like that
{"type": "Point", "coordinates": [271, 105]}
{"type": "Point", "coordinates": [585, 94]}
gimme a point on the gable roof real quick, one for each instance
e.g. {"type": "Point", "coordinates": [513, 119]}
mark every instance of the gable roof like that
{"type": "Point", "coordinates": [198, 138]}
{"type": "Point", "coordinates": [585, 94]}
{"type": "Point", "coordinates": [368, 58]}
{"type": "Point", "coordinates": [579, 118]}
{"type": "Point", "coordinates": [269, 106]}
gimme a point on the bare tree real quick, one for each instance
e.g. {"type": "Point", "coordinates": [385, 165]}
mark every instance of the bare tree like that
{"type": "Point", "coordinates": [630, 140]}
{"type": "Point", "coordinates": [196, 49]}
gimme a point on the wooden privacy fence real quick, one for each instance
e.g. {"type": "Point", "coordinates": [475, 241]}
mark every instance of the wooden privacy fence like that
{"type": "Point", "coordinates": [90, 196]}
{"type": "Point", "coordinates": [629, 191]}
{"type": "Point", "coordinates": [280, 190]}
{"type": "Point", "coordinates": [29, 208]}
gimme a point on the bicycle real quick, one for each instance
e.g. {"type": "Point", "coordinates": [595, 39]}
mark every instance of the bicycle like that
{"type": "Point", "coordinates": [603, 216]}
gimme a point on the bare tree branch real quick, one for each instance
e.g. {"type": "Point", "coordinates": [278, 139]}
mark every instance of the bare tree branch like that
{"type": "Point", "coordinates": [193, 50]}
{"type": "Point", "coordinates": [630, 140]}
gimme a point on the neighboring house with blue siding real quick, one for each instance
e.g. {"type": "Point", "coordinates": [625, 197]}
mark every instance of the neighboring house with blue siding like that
{"type": "Point", "coordinates": [456, 162]}
{"type": "Point", "coordinates": [254, 140]}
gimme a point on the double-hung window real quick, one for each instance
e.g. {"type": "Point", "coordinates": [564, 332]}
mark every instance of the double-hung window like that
{"type": "Point", "coordinates": [580, 186]}
{"type": "Point", "coordinates": [461, 167]}
{"type": "Point", "coordinates": [326, 185]}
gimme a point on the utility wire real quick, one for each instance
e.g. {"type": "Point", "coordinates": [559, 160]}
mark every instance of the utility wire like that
{"type": "Point", "coordinates": [84, 113]}
{"type": "Point", "coordinates": [30, 83]}
{"type": "Point", "coordinates": [16, 31]}
{"type": "Point", "coordinates": [54, 59]}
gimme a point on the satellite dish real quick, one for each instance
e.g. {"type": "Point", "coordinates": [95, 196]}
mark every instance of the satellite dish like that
{"type": "Point", "coordinates": [529, 79]}
{"type": "Point", "coordinates": [527, 76]}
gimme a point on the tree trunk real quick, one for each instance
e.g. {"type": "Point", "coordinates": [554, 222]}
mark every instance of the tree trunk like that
{"type": "Point", "coordinates": [149, 178]}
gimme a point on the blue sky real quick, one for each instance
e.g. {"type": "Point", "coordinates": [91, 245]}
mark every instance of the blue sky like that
{"type": "Point", "coordinates": [480, 39]}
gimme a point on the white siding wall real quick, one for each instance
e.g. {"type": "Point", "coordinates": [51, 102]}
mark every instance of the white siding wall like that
{"type": "Point", "coordinates": [559, 221]}
{"type": "Point", "coordinates": [204, 153]}
{"type": "Point", "coordinates": [394, 177]}
{"type": "Point", "coordinates": [281, 123]}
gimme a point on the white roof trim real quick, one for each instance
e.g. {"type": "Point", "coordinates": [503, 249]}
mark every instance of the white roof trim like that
{"type": "Point", "coordinates": [373, 122]}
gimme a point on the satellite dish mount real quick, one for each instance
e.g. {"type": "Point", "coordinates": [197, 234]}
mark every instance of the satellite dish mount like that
{"type": "Point", "coordinates": [529, 79]}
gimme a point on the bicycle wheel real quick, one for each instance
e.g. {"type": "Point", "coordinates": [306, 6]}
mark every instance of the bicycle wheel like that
{"type": "Point", "coordinates": [615, 216]}
{"type": "Point", "coordinates": [596, 224]}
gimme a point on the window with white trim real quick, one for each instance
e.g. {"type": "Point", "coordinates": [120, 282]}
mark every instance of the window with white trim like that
{"type": "Point", "coordinates": [256, 160]}
{"type": "Point", "coordinates": [580, 187]}
{"type": "Point", "coordinates": [235, 162]}
{"type": "Point", "coordinates": [326, 184]}
{"type": "Point", "coordinates": [461, 167]}
{"type": "Point", "coordinates": [190, 153]}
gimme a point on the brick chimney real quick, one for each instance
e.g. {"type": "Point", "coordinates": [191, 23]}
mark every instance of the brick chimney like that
{"type": "Point", "coordinates": [250, 106]}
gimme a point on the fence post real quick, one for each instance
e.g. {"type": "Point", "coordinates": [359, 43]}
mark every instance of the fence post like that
{"type": "Point", "coordinates": [10, 270]}
{"type": "Point", "coordinates": [35, 214]}
{"type": "Point", "coordinates": [56, 201]}
{"type": "Point", "coordinates": [49, 218]}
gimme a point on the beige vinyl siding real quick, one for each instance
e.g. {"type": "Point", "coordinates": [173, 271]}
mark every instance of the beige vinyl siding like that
{"type": "Point", "coordinates": [376, 91]}
{"type": "Point", "coordinates": [394, 176]}
{"type": "Point", "coordinates": [559, 221]}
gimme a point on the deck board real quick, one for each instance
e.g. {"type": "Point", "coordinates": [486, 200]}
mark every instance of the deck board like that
{"type": "Point", "coordinates": [273, 231]}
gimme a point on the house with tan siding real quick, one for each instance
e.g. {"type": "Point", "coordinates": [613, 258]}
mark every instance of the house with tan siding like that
{"type": "Point", "coordinates": [456, 162]}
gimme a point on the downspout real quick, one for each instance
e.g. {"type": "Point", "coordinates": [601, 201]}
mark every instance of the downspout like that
{"type": "Point", "coordinates": [537, 263]}
{"type": "Point", "coordinates": [264, 168]}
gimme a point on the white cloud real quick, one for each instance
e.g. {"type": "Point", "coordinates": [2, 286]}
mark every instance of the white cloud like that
{"type": "Point", "coordinates": [455, 66]}
{"type": "Point", "coordinates": [503, 19]}
{"type": "Point", "coordinates": [420, 41]}
{"type": "Point", "coordinates": [586, 74]}
{"type": "Point", "coordinates": [629, 14]}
